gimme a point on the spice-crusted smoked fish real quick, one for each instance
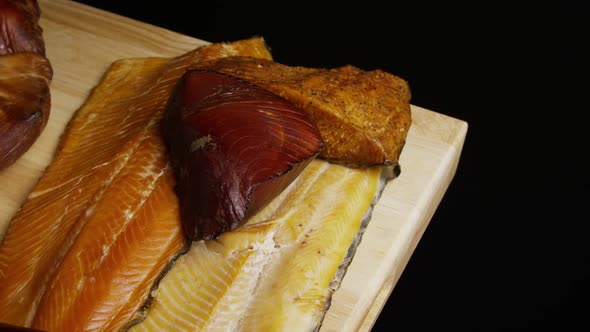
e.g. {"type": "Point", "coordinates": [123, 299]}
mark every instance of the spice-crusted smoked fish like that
{"type": "Point", "coordinates": [363, 116]}
{"type": "Point", "coordinates": [102, 222]}
{"type": "Point", "coordinates": [277, 272]}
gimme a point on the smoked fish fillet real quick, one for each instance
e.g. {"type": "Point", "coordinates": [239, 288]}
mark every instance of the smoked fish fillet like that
{"type": "Point", "coordinates": [363, 116]}
{"type": "Point", "coordinates": [25, 102]}
{"type": "Point", "coordinates": [102, 222]}
{"type": "Point", "coordinates": [278, 271]}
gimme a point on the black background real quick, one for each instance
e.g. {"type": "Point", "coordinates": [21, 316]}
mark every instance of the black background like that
{"type": "Point", "coordinates": [507, 248]}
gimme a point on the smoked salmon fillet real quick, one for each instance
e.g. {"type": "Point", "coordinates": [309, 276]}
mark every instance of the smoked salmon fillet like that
{"type": "Point", "coordinates": [102, 222]}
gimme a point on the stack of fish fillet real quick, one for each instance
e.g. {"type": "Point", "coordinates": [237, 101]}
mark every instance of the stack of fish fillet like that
{"type": "Point", "coordinates": [98, 244]}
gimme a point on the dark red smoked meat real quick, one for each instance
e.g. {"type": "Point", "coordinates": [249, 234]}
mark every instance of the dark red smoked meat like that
{"type": "Point", "coordinates": [233, 147]}
{"type": "Point", "coordinates": [19, 27]}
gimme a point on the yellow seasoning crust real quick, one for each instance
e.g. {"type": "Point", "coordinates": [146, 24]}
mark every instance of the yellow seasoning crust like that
{"type": "Point", "coordinates": [363, 116]}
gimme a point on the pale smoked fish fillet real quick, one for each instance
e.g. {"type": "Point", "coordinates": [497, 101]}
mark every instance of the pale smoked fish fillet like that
{"type": "Point", "coordinates": [102, 222]}
{"type": "Point", "coordinates": [276, 273]}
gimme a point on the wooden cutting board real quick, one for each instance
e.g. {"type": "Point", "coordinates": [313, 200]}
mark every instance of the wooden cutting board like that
{"type": "Point", "coordinates": [82, 42]}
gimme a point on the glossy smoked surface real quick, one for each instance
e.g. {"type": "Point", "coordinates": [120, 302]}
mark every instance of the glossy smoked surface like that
{"type": "Point", "coordinates": [25, 75]}
{"type": "Point", "coordinates": [19, 27]}
{"type": "Point", "coordinates": [233, 147]}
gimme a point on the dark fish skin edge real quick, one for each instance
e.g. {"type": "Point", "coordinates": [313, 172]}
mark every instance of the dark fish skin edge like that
{"type": "Point", "coordinates": [388, 173]}
{"type": "Point", "coordinates": [143, 311]}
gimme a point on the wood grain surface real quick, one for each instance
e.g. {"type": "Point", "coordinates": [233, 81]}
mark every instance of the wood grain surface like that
{"type": "Point", "coordinates": [82, 42]}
